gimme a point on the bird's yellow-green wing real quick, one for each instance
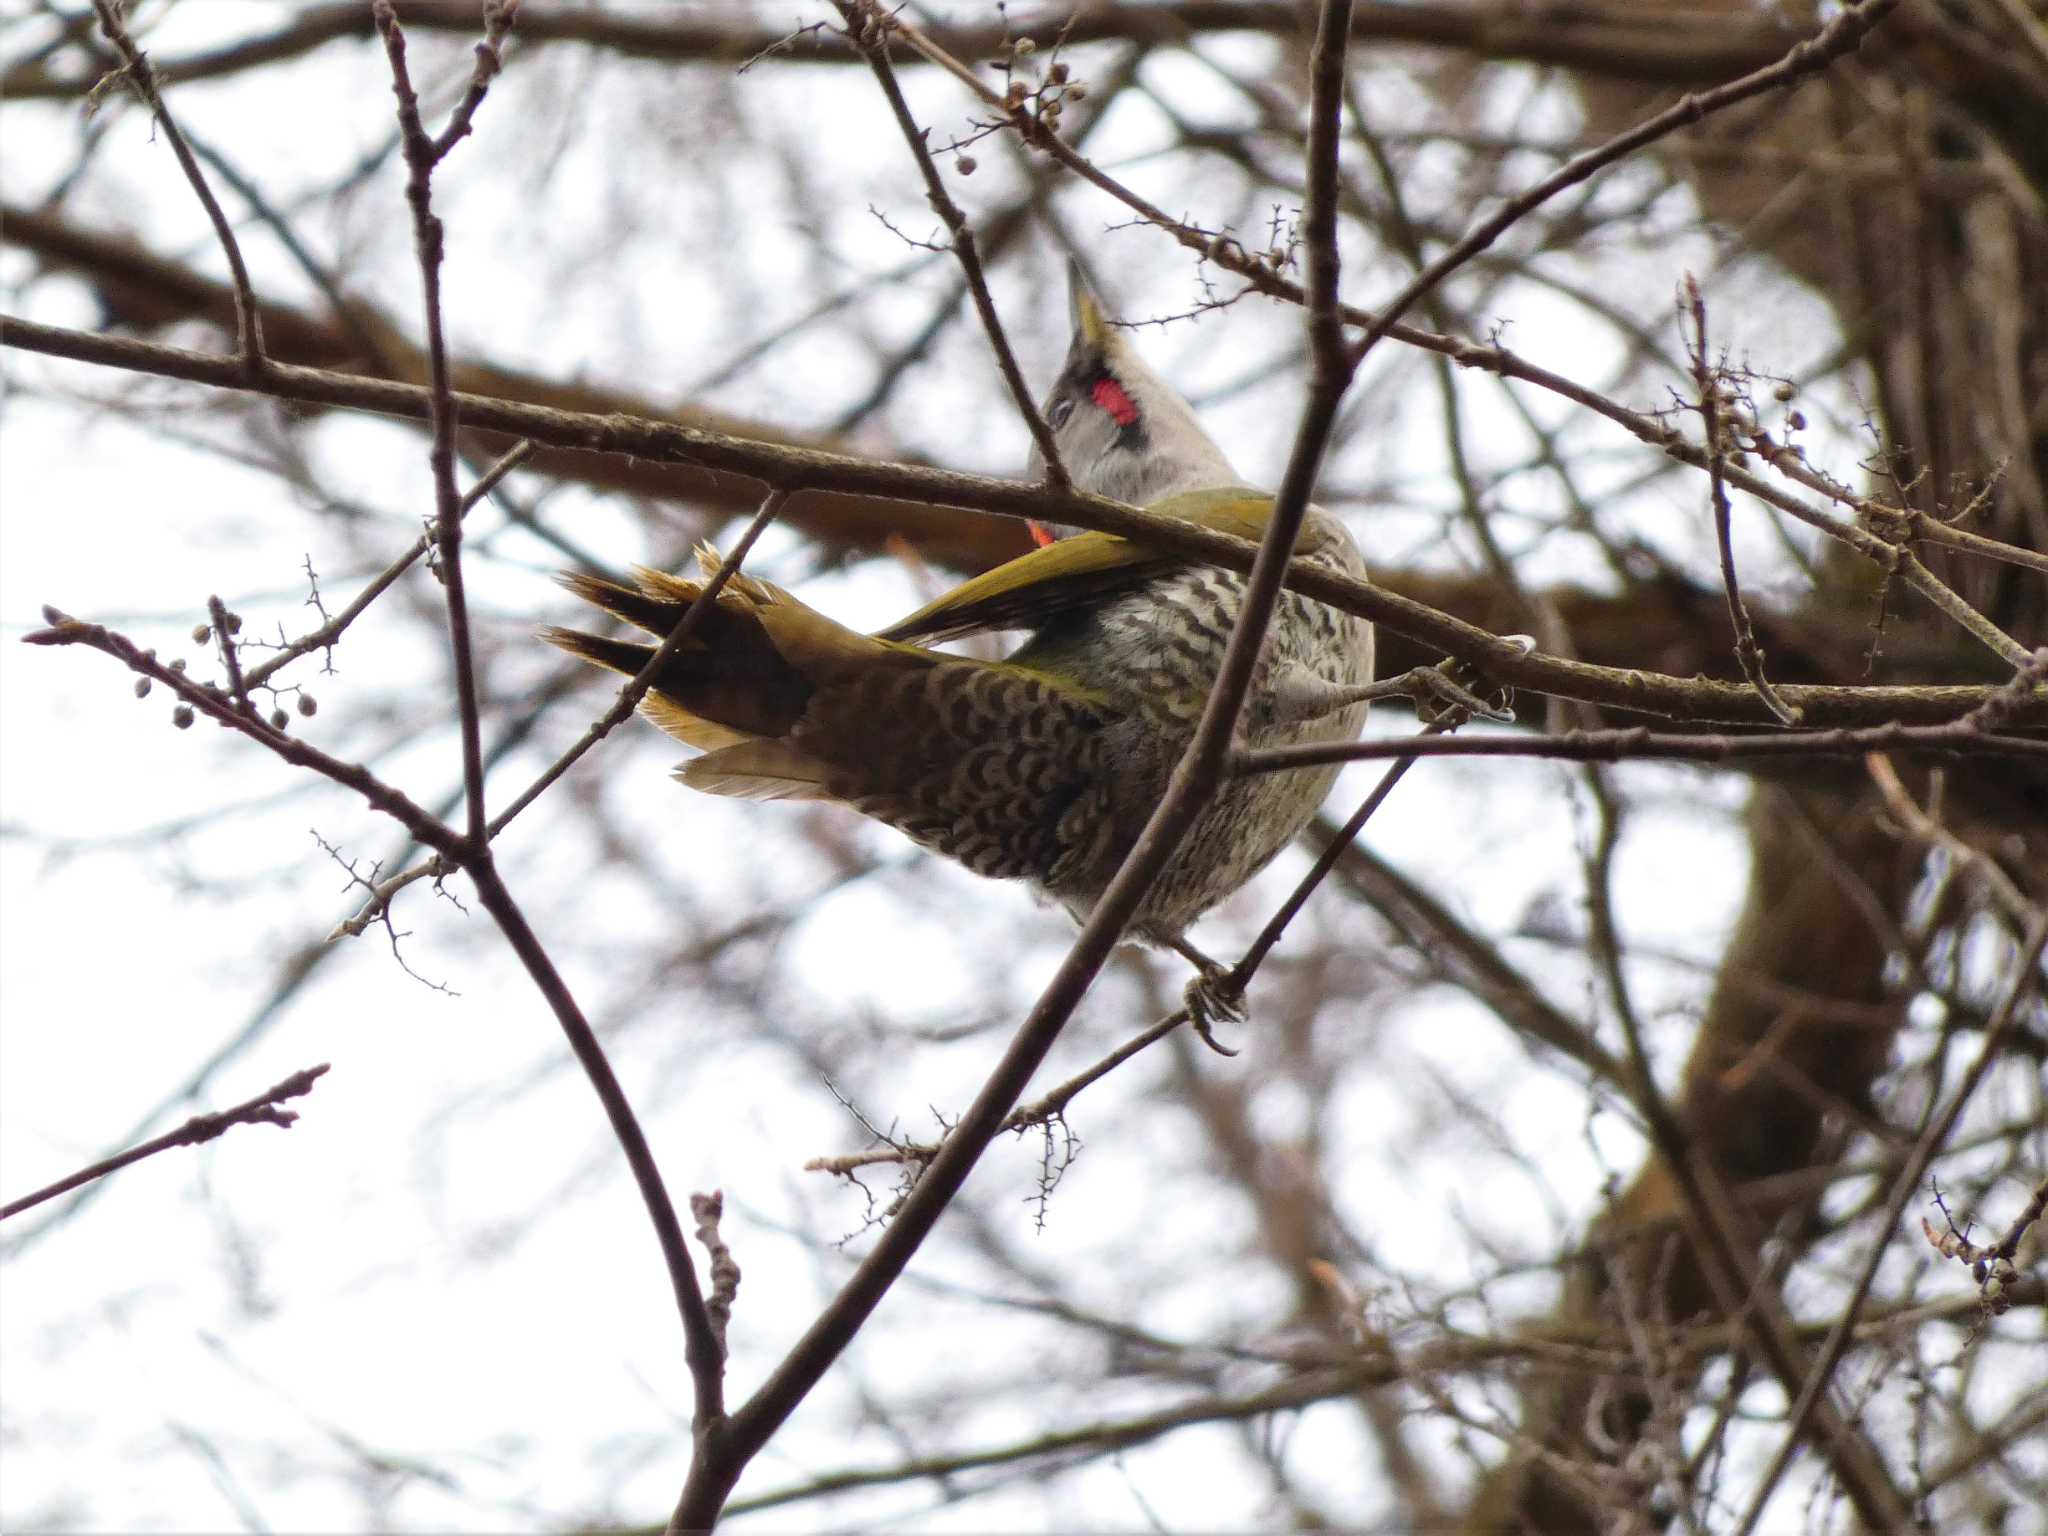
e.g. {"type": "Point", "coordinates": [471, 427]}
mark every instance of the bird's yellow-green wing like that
{"type": "Point", "coordinates": [1034, 589]}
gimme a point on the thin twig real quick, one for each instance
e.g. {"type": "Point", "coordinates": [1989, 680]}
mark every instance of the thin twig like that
{"type": "Point", "coordinates": [141, 77]}
{"type": "Point", "coordinates": [217, 706]}
{"type": "Point", "coordinates": [261, 1110]}
{"type": "Point", "coordinates": [1958, 608]}
{"type": "Point", "coordinates": [1955, 1245]}
{"type": "Point", "coordinates": [1897, 523]}
{"type": "Point", "coordinates": [430, 247]}
{"type": "Point", "coordinates": [1930, 529]}
{"type": "Point", "coordinates": [347, 315]}
{"type": "Point", "coordinates": [1918, 824]}
{"type": "Point", "coordinates": [1446, 721]}
{"type": "Point", "coordinates": [223, 626]}
{"type": "Point", "coordinates": [1998, 1278]}
{"type": "Point", "coordinates": [701, 1350]}
{"type": "Point", "coordinates": [1042, 1110]}
{"type": "Point", "coordinates": [709, 1210]}
{"type": "Point", "coordinates": [498, 18]}
{"type": "Point", "coordinates": [384, 891]}
{"type": "Point", "coordinates": [1050, 1105]}
{"type": "Point", "coordinates": [867, 27]}
{"type": "Point", "coordinates": [1958, 738]}
{"type": "Point", "coordinates": [334, 628]}
{"type": "Point", "coordinates": [2007, 703]}
{"type": "Point", "coordinates": [1707, 384]}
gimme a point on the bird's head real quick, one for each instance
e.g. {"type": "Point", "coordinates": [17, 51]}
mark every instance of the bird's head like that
{"type": "Point", "coordinates": [1121, 430]}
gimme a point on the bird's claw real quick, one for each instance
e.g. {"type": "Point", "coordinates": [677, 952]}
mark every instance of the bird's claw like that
{"type": "Point", "coordinates": [1448, 696]}
{"type": "Point", "coordinates": [1213, 997]}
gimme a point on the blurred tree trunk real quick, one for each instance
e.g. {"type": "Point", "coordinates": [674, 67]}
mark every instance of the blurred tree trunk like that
{"type": "Point", "coordinates": [1941, 287]}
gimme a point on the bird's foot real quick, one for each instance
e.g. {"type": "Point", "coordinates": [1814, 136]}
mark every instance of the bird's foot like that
{"type": "Point", "coordinates": [1214, 996]}
{"type": "Point", "coordinates": [1445, 694]}
{"type": "Point", "coordinates": [1212, 999]}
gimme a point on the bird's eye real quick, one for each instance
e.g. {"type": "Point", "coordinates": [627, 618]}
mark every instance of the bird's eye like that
{"type": "Point", "coordinates": [1056, 415]}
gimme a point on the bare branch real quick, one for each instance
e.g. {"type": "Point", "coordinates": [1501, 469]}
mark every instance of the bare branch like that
{"type": "Point", "coordinates": [1959, 738]}
{"type": "Point", "coordinates": [430, 246]}
{"type": "Point", "coordinates": [261, 1110]}
{"type": "Point", "coordinates": [142, 78]}
{"type": "Point", "coordinates": [709, 1373]}
{"type": "Point", "coordinates": [867, 26]}
{"type": "Point", "coordinates": [334, 628]}
{"type": "Point", "coordinates": [1707, 386]}
{"type": "Point", "coordinates": [776, 464]}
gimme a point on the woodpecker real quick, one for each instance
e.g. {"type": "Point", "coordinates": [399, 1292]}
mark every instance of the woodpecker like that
{"type": "Point", "coordinates": [1043, 766]}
